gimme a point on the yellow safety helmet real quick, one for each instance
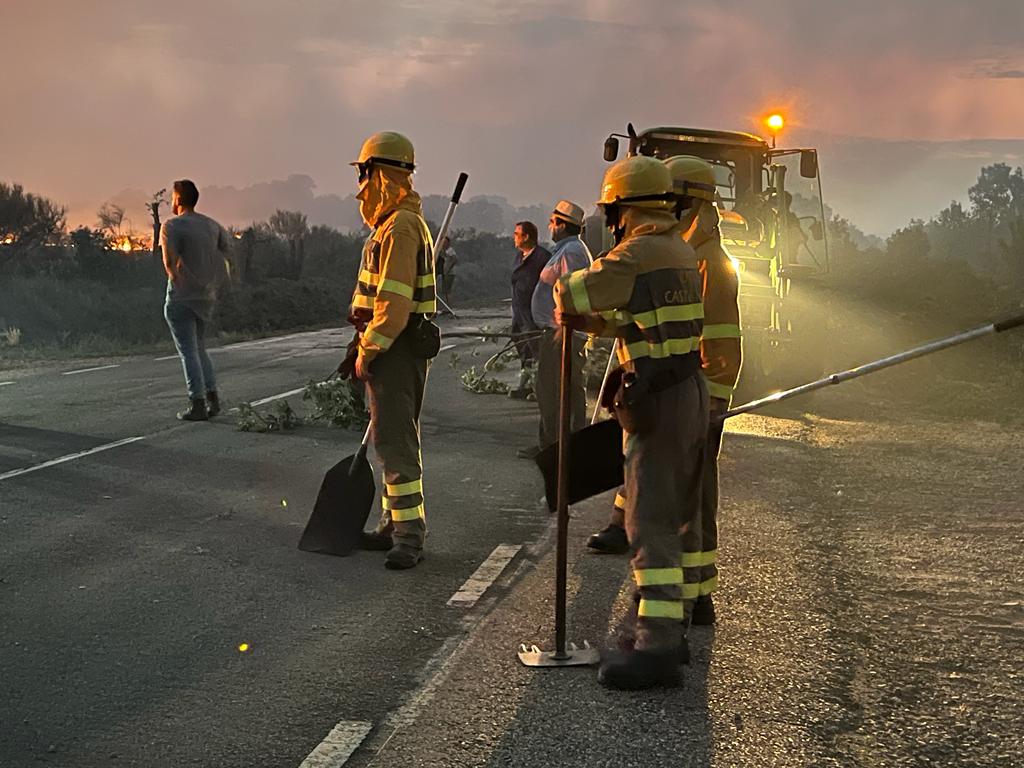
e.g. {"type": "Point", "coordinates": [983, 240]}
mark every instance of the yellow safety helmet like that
{"type": "Point", "coordinates": [638, 181]}
{"type": "Point", "coordinates": [386, 148]}
{"type": "Point", "coordinates": [692, 177]}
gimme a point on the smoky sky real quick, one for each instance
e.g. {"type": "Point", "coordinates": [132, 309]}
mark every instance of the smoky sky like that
{"type": "Point", "coordinates": [109, 94]}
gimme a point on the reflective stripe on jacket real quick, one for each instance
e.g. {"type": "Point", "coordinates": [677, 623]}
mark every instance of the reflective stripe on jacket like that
{"type": "Point", "coordinates": [646, 291]}
{"type": "Point", "coordinates": [720, 346]}
{"type": "Point", "coordinates": [396, 277]}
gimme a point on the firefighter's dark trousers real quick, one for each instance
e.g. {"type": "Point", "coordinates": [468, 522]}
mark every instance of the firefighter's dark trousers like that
{"type": "Point", "coordinates": [396, 398]}
{"type": "Point", "coordinates": [699, 553]}
{"type": "Point", "coordinates": [663, 471]}
{"type": "Point", "coordinates": [548, 386]}
{"type": "Point", "coordinates": [703, 558]}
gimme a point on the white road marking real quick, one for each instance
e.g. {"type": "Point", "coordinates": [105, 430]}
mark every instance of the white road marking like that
{"type": "Point", "coordinates": [5, 383]}
{"type": "Point", "coordinates": [482, 578]}
{"type": "Point", "coordinates": [338, 745]}
{"type": "Point", "coordinates": [445, 348]}
{"type": "Point", "coordinates": [69, 457]}
{"type": "Point", "coordinates": [245, 344]}
{"type": "Point", "coordinates": [89, 370]}
{"type": "Point", "coordinates": [272, 398]}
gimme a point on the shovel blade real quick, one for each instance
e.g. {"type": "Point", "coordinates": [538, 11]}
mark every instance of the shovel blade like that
{"type": "Point", "coordinates": [341, 509]}
{"type": "Point", "coordinates": [595, 463]}
{"type": "Point", "coordinates": [574, 656]}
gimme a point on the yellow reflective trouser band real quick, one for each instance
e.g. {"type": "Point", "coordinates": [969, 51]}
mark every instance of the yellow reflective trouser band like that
{"type": "Point", "coordinates": [691, 590]}
{"type": "Point", "coordinates": [721, 331]}
{"type": "Point", "coordinates": [661, 609]}
{"type": "Point", "coordinates": [721, 391]}
{"type": "Point", "coordinates": [425, 307]}
{"type": "Point", "coordinates": [361, 301]}
{"type": "Point", "coordinates": [578, 291]}
{"type": "Point", "coordinates": [672, 313]}
{"type": "Point", "coordinates": [405, 515]}
{"type": "Point", "coordinates": [404, 489]}
{"type": "Point", "coordinates": [665, 349]}
{"type": "Point", "coordinates": [393, 286]}
{"type": "Point", "coordinates": [379, 339]}
{"type": "Point", "coordinates": [620, 501]}
{"type": "Point", "coordinates": [690, 559]}
{"type": "Point", "coordinates": [709, 585]}
{"type": "Point", "coordinates": [656, 577]}
{"type": "Point", "coordinates": [425, 281]}
{"type": "Point", "coordinates": [698, 559]}
{"type": "Point", "coordinates": [368, 277]}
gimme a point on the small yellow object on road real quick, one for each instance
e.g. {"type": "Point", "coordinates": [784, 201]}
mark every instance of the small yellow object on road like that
{"type": "Point", "coordinates": [243, 648]}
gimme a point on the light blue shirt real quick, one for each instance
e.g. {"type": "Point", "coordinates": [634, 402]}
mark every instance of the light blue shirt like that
{"type": "Point", "coordinates": [567, 256]}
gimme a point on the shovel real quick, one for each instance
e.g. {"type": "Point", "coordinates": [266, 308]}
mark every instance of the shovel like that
{"type": "Point", "coordinates": [595, 463]}
{"type": "Point", "coordinates": [342, 506]}
{"type": "Point", "coordinates": [563, 655]}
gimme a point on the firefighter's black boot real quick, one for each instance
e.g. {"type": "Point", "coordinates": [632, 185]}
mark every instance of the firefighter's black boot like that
{"type": "Point", "coordinates": [196, 410]}
{"type": "Point", "coordinates": [703, 612]}
{"type": "Point", "coordinates": [212, 404]}
{"type": "Point", "coordinates": [377, 541]}
{"type": "Point", "coordinates": [402, 557]}
{"type": "Point", "coordinates": [611, 541]}
{"type": "Point", "coordinates": [627, 633]}
{"type": "Point", "coordinates": [638, 670]}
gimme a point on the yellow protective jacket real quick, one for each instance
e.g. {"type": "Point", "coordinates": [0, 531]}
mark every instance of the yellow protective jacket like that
{"type": "Point", "coordinates": [646, 292]}
{"type": "Point", "coordinates": [396, 276]}
{"type": "Point", "coordinates": [720, 347]}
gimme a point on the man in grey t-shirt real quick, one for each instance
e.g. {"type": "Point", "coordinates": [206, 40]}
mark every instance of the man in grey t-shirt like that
{"type": "Point", "coordinates": [194, 249]}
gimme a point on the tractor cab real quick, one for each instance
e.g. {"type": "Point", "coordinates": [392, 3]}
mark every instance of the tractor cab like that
{"type": "Point", "coordinates": [773, 228]}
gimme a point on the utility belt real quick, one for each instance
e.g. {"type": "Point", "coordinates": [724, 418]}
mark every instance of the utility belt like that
{"type": "Point", "coordinates": [632, 403]}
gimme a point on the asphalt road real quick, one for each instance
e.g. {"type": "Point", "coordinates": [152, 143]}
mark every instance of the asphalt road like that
{"type": "Point", "coordinates": [871, 601]}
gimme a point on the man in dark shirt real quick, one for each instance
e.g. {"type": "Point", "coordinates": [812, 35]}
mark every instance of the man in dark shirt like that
{"type": "Point", "coordinates": [525, 274]}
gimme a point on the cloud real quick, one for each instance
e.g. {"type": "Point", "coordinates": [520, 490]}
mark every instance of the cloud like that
{"type": "Point", "coordinates": [120, 93]}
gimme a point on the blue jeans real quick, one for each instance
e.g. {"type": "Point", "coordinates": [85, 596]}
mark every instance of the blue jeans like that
{"type": "Point", "coordinates": [188, 330]}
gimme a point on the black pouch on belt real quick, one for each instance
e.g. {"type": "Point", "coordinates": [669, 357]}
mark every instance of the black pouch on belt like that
{"type": "Point", "coordinates": [634, 407]}
{"type": "Point", "coordinates": [424, 337]}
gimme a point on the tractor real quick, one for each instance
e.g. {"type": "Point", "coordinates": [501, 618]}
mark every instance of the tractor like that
{"type": "Point", "coordinates": [773, 228]}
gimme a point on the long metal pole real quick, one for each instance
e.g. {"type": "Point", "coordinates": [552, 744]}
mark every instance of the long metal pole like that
{"type": "Point", "coordinates": [564, 412]}
{"type": "Point", "coordinates": [443, 231]}
{"type": "Point", "coordinates": [877, 365]}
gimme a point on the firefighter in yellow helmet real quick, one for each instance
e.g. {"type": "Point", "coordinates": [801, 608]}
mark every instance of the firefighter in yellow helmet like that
{"type": "Point", "coordinates": [392, 304]}
{"type": "Point", "coordinates": [721, 357]}
{"type": "Point", "coordinates": [646, 292]}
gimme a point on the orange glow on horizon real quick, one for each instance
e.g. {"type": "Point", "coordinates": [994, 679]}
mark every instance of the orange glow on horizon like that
{"type": "Point", "coordinates": [775, 122]}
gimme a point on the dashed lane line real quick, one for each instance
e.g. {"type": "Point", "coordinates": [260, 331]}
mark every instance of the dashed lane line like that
{"type": "Point", "coordinates": [482, 578]}
{"type": "Point", "coordinates": [247, 344]}
{"type": "Point", "coordinates": [90, 370]}
{"type": "Point", "coordinates": [5, 383]}
{"type": "Point", "coordinates": [338, 745]}
{"type": "Point", "coordinates": [70, 457]}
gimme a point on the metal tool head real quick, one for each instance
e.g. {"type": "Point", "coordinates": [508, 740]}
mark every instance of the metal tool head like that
{"type": "Point", "coordinates": [342, 507]}
{"type": "Point", "coordinates": [574, 656]}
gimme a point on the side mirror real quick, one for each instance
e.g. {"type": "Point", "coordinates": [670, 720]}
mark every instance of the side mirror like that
{"type": "Point", "coordinates": [611, 149]}
{"type": "Point", "coordinates": [809, 163]}
{"type": "Point", "coordinates": [817, 231]}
